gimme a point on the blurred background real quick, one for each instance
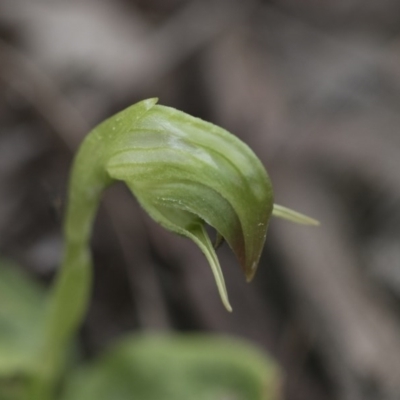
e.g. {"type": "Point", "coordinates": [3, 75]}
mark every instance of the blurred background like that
{"type": "Point", "coordinates": [312, 86]}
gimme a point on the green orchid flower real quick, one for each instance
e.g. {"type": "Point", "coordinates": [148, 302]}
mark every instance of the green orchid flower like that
{"type": "Point", "coordinates": [186, 173]}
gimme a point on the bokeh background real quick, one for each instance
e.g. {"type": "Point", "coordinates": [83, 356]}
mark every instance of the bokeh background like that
{"type": "Point", "coordinates": [312, 86]}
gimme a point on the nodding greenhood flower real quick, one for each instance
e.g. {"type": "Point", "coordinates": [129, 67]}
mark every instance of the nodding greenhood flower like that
{"type": "Point", "coordinates": [185, 173]}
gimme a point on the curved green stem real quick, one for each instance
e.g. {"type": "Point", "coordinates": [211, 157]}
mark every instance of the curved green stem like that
{"type": "Point", "coordinates": [69, 298]}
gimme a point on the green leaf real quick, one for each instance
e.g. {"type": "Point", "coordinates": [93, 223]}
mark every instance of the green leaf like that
{"type": "Point", "coordinates": [22, 314]}
{"type": "Point", "coordinates": [21, 320]}
{"type": "Point", "coordinates": [178, 367]}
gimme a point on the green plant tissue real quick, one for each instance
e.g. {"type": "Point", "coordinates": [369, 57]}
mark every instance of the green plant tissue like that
{"type": "Point", "coordinates": [177, 367]}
